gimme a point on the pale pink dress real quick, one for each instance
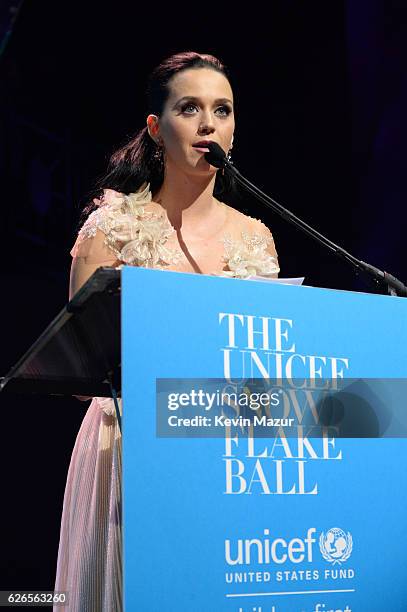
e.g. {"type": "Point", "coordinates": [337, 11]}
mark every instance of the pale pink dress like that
{"type": "Point", "coordinates": [90, 550]}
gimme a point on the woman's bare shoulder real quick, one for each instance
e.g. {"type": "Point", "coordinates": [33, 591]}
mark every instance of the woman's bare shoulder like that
{"type": "Point", "coordinates": [240, 222]}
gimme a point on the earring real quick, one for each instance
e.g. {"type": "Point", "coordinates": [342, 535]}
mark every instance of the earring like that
{"type": "Point", "coordinates": [159, 156]}
{"type": "Point", "coordinates": [229, 159]}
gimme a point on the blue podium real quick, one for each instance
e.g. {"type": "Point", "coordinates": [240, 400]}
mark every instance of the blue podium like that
{"type": "Point", "coordinates": [275, 523]}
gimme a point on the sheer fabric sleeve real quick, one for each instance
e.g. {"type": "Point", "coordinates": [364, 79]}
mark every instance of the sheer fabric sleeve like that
{"type": "Point", "coordinates": [271, 247]}
{"type": "Point", "coordinates": [250, 251]}
{"type": "Point", "coordinates": [90, 252]}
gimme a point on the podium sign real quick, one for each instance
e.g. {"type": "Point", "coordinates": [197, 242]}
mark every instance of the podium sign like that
{"type": "Point", "coordinates": [270, 524]}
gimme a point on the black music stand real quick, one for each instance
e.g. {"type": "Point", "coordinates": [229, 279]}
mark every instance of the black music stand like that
{"type": "Point", "coordinates": [80, 351]}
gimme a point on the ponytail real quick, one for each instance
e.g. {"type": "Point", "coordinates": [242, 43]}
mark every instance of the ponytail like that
{"type": "Point", "coordinates": [132, 165]}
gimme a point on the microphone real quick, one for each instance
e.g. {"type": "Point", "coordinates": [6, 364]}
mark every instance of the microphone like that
{"type": "Point", "coordinates": [216, 156]}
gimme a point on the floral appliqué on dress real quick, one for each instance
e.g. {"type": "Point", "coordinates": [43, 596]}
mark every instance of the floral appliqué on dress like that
{"type": "Point", "coordinates": [139, 238]}
{"type": "Point", "coordinates": [136, 237]}
{"type": "Point", "coordinates": [249, 257]}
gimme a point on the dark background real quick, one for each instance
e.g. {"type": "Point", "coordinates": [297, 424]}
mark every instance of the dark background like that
{"type": "Point", "coordinates": [321, 91]}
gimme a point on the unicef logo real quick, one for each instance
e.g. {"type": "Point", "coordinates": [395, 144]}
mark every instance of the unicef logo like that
{"type": "Point", "coordinates": [335, 546]}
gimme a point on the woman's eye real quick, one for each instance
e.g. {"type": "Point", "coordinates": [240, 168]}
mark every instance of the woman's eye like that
{"type": "Point", "coordinates": [223, 111]}
{"type": "Point", "coordinates": [188, 109]}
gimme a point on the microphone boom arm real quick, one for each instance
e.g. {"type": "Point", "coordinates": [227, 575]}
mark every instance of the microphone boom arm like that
{"type": "Point", "coordinates": [394, 285]}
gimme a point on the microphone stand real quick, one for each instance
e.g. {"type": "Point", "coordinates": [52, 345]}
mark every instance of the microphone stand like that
{"type": "Point", "coordinates": [394, 286]}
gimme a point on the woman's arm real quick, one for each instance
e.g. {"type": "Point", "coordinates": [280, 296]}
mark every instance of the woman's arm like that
{"type": "Point", "coordinates": [89, 255]}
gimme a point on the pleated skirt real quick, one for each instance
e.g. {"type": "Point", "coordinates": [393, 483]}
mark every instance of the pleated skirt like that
{"type": "Point", "coordinates": [89, 563]}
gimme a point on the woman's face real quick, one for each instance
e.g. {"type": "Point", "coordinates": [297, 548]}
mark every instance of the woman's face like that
{"type": "Point", "coordinates": [199, 108]}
